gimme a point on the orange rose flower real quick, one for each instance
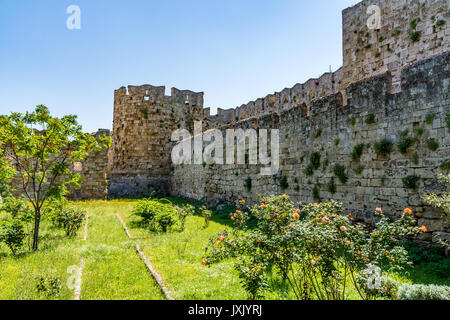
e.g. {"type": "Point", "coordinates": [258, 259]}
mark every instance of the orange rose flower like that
{"type": "Point", "coordinates": [423, 229]}
{"type": "Point", "coordinates": [343, 228]}
{"type": "Point", "coordinates": [241, 201]}
{"type": "Point", "coordinates": [325, 219]}
{"type": "Point", "coordinates": [204, 262]}
{"type": "Point", "coordinates": [262, 206]}
{"type": "Point", "coordinates": [408, 211]}
{"type": "Point", "coordinates": [222, 238]}
{"type": "Point", "coordinates": [296, 216]}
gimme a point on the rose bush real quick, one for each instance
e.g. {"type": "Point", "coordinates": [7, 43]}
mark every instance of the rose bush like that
{"type": "Point", "coordinates": [317, 249]}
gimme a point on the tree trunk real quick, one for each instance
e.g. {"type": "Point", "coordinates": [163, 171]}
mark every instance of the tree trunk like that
{"type": "Point", "coordinates": [37, 221]}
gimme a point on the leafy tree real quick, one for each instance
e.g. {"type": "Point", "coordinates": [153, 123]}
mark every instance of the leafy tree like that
{"type": "Point", "coordinates": [41, 148]}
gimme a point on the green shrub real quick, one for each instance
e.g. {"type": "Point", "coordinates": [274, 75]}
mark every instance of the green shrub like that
{"type": "Point", "coordinates": [157, 214]}
{"type": "Point", "coordinates": [429, 119]}
{"type": "Point", "coordinates": [325, 164]}
{"type": "Point", "coordinates": [370, 119]}
{"type": "Point", "coordinates": [64, 216]}
{"type": "Point", "coordinates": [207, 214]}
{"type": "Point", "coordinates": [309, 171]}
{"type": "Point", "coordinates": [404, 144]}
{"type": "Point", "coordinates": [331, 186]}
{"type": "Point", "coordinates": [297, 188]}
{"type": "Point", "coordinates": [301, 245]}
{"type": "Point", "coordinates": [353, 121]}
{"type": "Point", "coordinates": [410, 182]}
{"type": "Point", "coordinates": [419, 131]}
{"type": "Point", "coordinates": [284, 183]}
{"type": "Point", "coordinates": [415, 36]}
{"type": "Point", "coordinates": [315, 160]}
{"type": "Point", "coordinates": [165, 220]}
{"type": "Point", "coordinates": [440, 22]}
{"type": "Point", "coordinates": [12, 234]}
{"type": "Point", "coordinates": [316, 192]}
{"type": "Point", "coordinates": [339, 171]}
{"type": "Point", "coordinates": [445, 166]}
{"type": "Point", "coordinates": [383, 147]}
{"type": "Point", "coordinates": [318, 134]}
{"type": "Point", "coordinates": [337, 141]}
{"type": "Point", "coordinates": [423, 292]}
{"type": "Point", "coordinates": [358, 151]}
{"type": "Point", "coordinates": [49, 286]}
{"type": "Point", "coordinates": [248, 184]}
{"type": "Point", "coordinates": [359, 170]}
{"type": "Point", "coordinates": [415, 158]}
{"type": "Point", "coordinates": [432, 144]}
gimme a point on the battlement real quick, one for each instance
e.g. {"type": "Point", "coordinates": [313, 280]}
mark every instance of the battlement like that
{"type": "Point", "coordinates": [156, 93]}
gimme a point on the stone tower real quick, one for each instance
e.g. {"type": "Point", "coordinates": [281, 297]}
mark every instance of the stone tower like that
{"type": "Point", "coordinates": [144, 119]}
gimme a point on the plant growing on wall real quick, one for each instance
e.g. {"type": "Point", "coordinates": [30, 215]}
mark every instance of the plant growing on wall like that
{"type": "Point", "coordinates": [42, 157]}
{"type": "Point", "coordinates": [357, 151]}
{"type": "Point", "coordinates": [370, 119]}
{"type": "Point", "coordinates": [248, 184]}
{"type": "Point", "coordinates": [315, 160]}
{"type": "Point", "coordinates": [415, 158]}
{"type": "Point", "coordinates": [339, 171]}
{"type": "Point", "coordinates": [405, 143]}
{"type": "Point", "coordinates": [318, 134]}
{"type": "Point", "coordinates": [432, 144]}
{"type": "Point", "coordinates": [309, 171]}
{"type": "Point", "coordinates": [284, 183]}
{"type": "Point", "coordinates": [316, 192]}
{"type": "Point", "coordinates": [337, 141]}
{"type": "Point", "coordinates": [353, 121]}
{"type": "Point", "coordinates": [410, 182]}
{"type": "Point", "coordinates": [384, 147]}
{"type": "Point", "coordinates": [447, 120]}
{"type": "Point", "coordinates": [429, 119]}
{"type": "Point", "coordinates": [359, 170]}
{"type": "Point", "coordinates": [331, 186]}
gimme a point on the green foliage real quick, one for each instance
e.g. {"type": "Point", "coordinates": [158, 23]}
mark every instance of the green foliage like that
{"type": "Point", "coordinates": [432, 144]}
{"type": "Point", "coordinates": [419, 131]}
{"type": "Point", "coordinates": [318, 134]}
{"type": "Point", "coordinates": [325, 164]}
{"type": "Point", "coordinates": [309, 171]}
{"type": "Point", "coordinates": [12, 234]}
{"type": "Point", "coordinates": [337, 141]}
{"type": "Point", "coordinates": [353, 121]}
{"type": "Point", "coordinates": [284, 183]}
{"type": "Point", "coordinates": [65, 217]}
{"type": "Point", "coordinates": [301, 245]}
{"type": "Point", "coordinates": [297, 188]}
{"type": "Point", "coordinates": [423, 292]}
{"type": "Point", "coordinates": [182, 214]}
{"type": "Point", "coordinates": [415, 158]}
{"type": "Point", "coordinates": [157, 214]}
{"type": "Point", "coordinates": [331, 186]}
{"type": "Point", "coordinates": [316, 192]}
{"type": "Point", "coordinates": [43, 148]}
{"type": "Point", "coordinates": [315, 160]}
{"type": "Point", "coordinates": [248, 184]}
{"type": "Point", "coordinates": [429, 119]}
{"type": "Point", "coordinates": [383, 147]}
{"type": "Point", "coordinates": [440, 22]}
{"type": "Point", "coordinates": [445, 166]}
{"type": "Point", "coordinates": [48, 286]}
{"type": "Point", "coordinates": [405, 143]}
{"type": "Point", "coordinates": [414, 23]}
{"type": "Point", "coordinates": [359, 170]}
{"type": "Point", "coordinates": [441, 201]}
{"type": "Point", "coordinates": [396, 33]}
{"type": "Point", "coordinates": [410, 182]}
{"type": "Point", "coordinates": [339, 171]}
{"type": "Point", "coordinates": [370, 119]}
{"type": "Point", "coordinates": [415, 36]}
{"type": "Point", "coordinates": [6, 175]}
{"type": "Point", "coordinates": [206, 214]}
{"type": "Point", "coordinates": [358, 151]}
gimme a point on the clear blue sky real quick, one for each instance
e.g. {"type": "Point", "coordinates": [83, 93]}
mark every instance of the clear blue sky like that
{"type": "Point", "coordinates": [233, 50]}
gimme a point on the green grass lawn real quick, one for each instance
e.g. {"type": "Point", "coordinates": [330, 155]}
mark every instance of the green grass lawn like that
{"type": "Point", "coordinates": [113, 269]}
